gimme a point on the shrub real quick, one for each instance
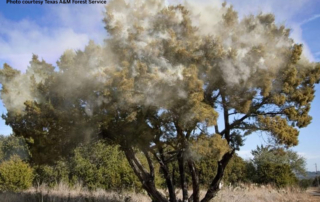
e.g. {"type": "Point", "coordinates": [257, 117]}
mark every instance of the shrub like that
{"type": "Point", "coordinates": [95, 166]}
{"type": "Point", "coordinates": [316, 182]}
{"type": "Point", "coordinates": [15, 175]}
{"type": "Point", "coordinates": [305, 183]}
{"type": "Point", "coordinates": [54, 174]}
{"type": "Point", "coordinates": [280, 175]}
{"type": "Point", "coordinates": [101, 166]}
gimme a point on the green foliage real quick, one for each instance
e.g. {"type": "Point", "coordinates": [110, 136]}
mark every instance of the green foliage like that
{"type": "Point", "coordinates": [207, 168]}
{"type": "Point", "coordinates": [305, 183]}
{"type": "Point", "coordinates": [54, 174]}
{"type": "Point", "coordinates": [207, 151]}
{"type": "Point", "coordinates": [102, 166]}
{"type": "Point", "coordinates": [279, 175]}
{"type": "Point", "coordinates": [15, 175]}
{"type": "Point", "coordinates": [12, 145]}
{"type": "Point", "coordinates": [95, 165]}
{"type": "Point", "coordinates": [275, 165]}
{"type": "Point", "coordinates": [235, 172]}
{"type": "Point", "coordinates": [251, 172]}
{"type": "Point", "coordinates": [280, 156]}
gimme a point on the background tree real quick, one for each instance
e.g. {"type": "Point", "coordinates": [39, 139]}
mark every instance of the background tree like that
{"type": "Point", "coordinates": [275, 165]}
{"type": "Point", "coordinates": [12, 145]}
{"type": "Point", "coordinates": [157, 85]}
{"type": "Point", "coordinates": [273, 155]}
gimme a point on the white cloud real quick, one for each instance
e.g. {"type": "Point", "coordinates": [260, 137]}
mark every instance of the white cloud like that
{"type": "Point", "coordinates": [309, 156]}
{"type": "Point", "coordinates": [296, 34]}
{"type": "Point", "coordinates": [71, 28]}
{"type": "Point", "coordinates": [245, 154]}
{"type": "Point", "coordinates": [310, 19]}
{"type": "Point", "coordinates": [82, 19]}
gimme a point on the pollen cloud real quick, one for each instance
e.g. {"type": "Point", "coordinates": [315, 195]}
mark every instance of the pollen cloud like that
{"type": "Point", "coordinates": [156, 55]}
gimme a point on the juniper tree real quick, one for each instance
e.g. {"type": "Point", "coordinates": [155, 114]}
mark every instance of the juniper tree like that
{"type": "Point", "coordinates": [157, 86]}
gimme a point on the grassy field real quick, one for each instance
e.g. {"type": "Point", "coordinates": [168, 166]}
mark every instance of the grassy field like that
{"type": "Point", "coordinates": [242, 193]}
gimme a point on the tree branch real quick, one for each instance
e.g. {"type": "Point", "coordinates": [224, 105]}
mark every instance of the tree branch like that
{"type": "Point", "coordinates": [214, 186]}
{"type": "Point", "coordinates": [216, 128]}
{"type": "Point", "coordinates": [150, 163]}
{"type": "Point", "coordinates": [166, 173]}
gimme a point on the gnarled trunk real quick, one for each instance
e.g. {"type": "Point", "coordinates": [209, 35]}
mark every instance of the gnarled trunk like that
{"type": "Point", "coordinates": [145, 178]}
{"type": "Point", "coordinates": [166, 173]}
{"type": "Point", "coordinates": [214, 186]}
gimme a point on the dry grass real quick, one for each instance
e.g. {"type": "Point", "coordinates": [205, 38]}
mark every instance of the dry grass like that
{"type": "Point", "coordinates": [62, 193]}
{"type": "Point", "coordinates": [251, 193]}
{"type": "Point", "coordinates": [242, 193]}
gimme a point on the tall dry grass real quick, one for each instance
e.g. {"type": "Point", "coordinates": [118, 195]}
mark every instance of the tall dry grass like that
{"type": "Point", "coordinates": [63, 193]}
{"type": "Point", "coordinates": [268, 193]}
{"type": "Point", "coordinates": [241, 193]}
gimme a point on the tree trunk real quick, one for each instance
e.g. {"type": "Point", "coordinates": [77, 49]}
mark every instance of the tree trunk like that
{"type": "Point", "coordinates": [183, 182]}
{"type": "Point", "coordinates": [166, 173]}
{"type": "Point", "coordinates": [181, 163]}
{"type": "Point", "coordinates": [150, 163]}
{"type": "Point", "coordinates": [145, 178]}
{"type": "Point", "coordinates": [195, 182]}
{"type": "Point", "coordinates": [214, 186]}
{"type": "Point", "coordinates": [170, 185]}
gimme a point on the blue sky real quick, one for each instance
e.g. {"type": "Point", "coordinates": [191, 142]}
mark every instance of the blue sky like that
{"type": "Point", "coordinates": [48, 30]}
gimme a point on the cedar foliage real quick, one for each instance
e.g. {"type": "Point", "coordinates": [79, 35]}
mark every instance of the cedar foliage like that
{"type": "Point", "coordinates": [158, 83]}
